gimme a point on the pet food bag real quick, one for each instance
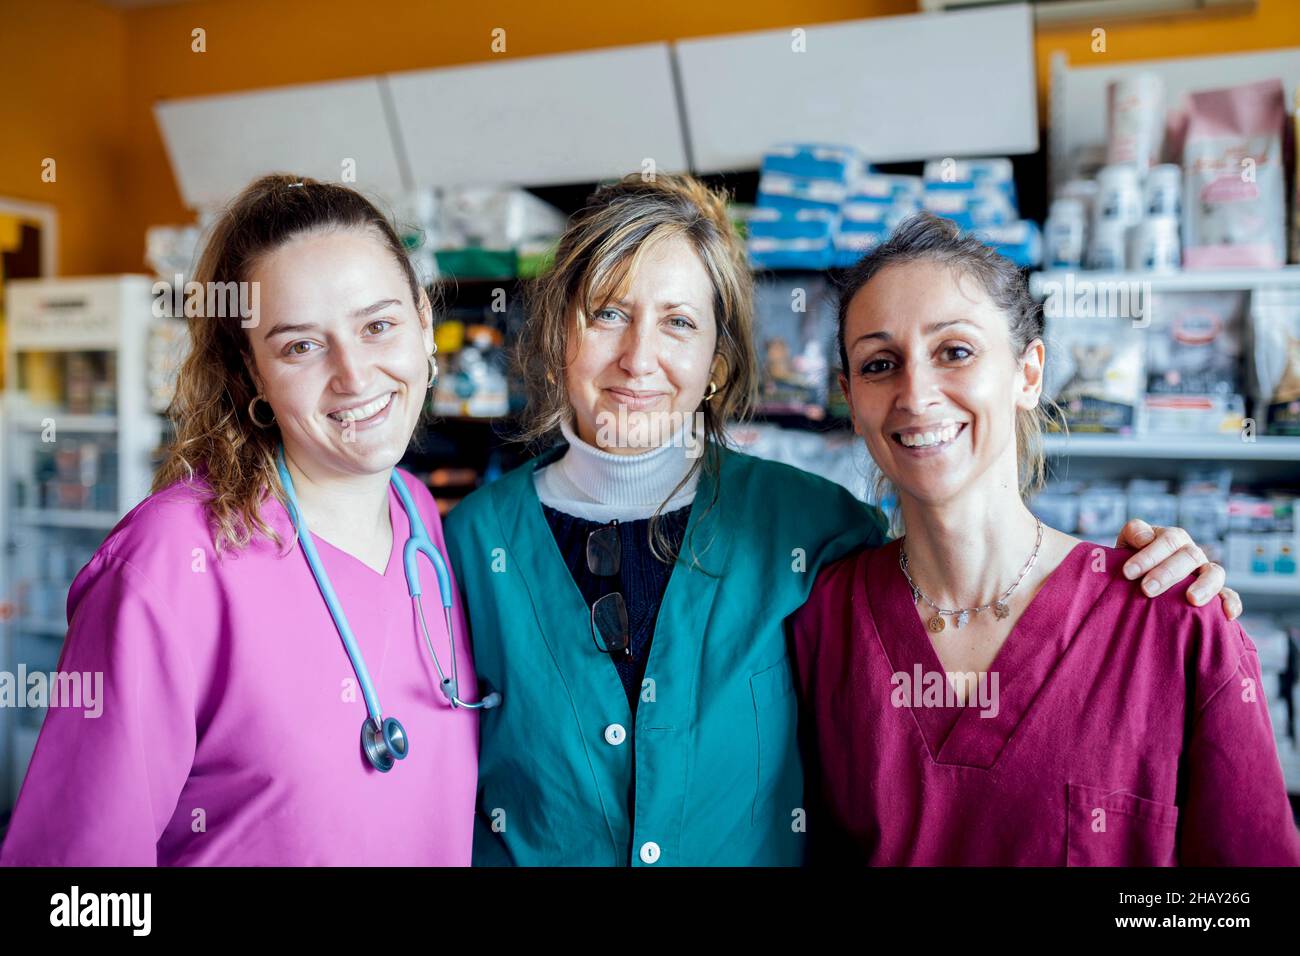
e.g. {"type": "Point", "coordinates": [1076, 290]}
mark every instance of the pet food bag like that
{"type": "Point", "coordinates": [1234, 192]}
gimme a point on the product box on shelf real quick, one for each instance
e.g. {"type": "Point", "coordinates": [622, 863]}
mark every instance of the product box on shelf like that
{"type": "Point", "coordinates": [801, 189]}
{"type": "Point", "coordinates": [1194, 379]}
{"type": "Point", "coordinates": [812, 161]}
{"type": "Point", "coordinates": [791, 238]}
{"type": "Point", "coordinates": [1096, 372]}
{"type": "Point", "coordinates": [968, 175]}
{"type": "Point", "coordinates": [794, 320]}
{"type": "Point", "coordinates": [888, 189]}
{"type": "Point", "coordinates": [1275, 358]}
{"type": "Point", "coordinates": [1020, 241]}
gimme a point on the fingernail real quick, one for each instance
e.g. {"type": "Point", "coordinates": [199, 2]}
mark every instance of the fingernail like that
{"type": "Point", "coordinates": [1151, 587]}
{"type": "Point", "coordinates": [1131, 570]}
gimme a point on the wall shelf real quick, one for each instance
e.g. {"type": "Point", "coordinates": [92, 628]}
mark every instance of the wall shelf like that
{"type": "Point", "coordinates": [65, 518]}
{"type": "Point", "coordinates": [1225, 448]}
{"type": "Point", "coordinates": [1201, 281]}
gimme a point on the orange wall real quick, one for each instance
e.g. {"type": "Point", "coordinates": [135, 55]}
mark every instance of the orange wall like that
{"type": "Point", "coordinates": [87, 76]}
{"type": "Point", "coordinates": [63, 96]}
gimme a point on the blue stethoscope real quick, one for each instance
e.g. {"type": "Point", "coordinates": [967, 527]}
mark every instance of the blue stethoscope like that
{"type": "Point", "coordinates": [383, 739]}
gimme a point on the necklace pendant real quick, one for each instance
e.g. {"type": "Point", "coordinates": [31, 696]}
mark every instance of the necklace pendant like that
{"type": "Point", "coordinates": [1000, 610]}
{"type": "Point", "coordinates": [935, 624]}
{"type": "Point", "coordinates": [962, 618]}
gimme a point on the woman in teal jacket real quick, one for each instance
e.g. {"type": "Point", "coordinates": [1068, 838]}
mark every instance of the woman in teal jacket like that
{"type": "Point", "coordinates": [627, 589]}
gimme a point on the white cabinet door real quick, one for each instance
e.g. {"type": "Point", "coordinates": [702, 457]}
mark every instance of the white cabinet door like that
{"type": "Point", "coordinates": [537, 121]}
{"type": "Point", "coordinates": [218, 144]}
{"type": "Point", "coordinates": [899, 88]}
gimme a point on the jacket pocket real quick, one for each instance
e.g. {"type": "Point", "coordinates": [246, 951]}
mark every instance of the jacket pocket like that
{"type": "Point", "coordinates": [778, 776]}
{"type": "Point", "coordinates": [1109, 827]}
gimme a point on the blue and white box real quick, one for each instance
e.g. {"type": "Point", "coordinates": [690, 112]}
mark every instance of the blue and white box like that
{"type": "Point", "coordinates": [971, 175]}
{"type": "Point", "coordinates": [975, 208]}
{"type": "Point", "coordinates": [791, 238]}
{"type": "Point", "coordinates": [782, 191]}
{"type": "Point", "coordinates": [812, 161]}
{"type": "Point", "coordinates": [1020, 241]}
{"type": "Point", "coordinates": [887, 188]}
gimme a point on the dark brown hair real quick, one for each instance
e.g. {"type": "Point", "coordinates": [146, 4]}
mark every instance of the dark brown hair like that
{"type": "Point", "coordinates": [927, 237]}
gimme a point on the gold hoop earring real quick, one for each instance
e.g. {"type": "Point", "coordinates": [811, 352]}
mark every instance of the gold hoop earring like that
{"type": "Point", "coordinates": [252, 416]}
{"type": "Point", "coordinates": [713, 390]}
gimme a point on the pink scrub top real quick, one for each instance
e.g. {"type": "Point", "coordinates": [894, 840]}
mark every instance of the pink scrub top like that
{"type": "Point", "coordinates": [1125, 731]}
{"type": "Point", "coordinates": [230, 731]}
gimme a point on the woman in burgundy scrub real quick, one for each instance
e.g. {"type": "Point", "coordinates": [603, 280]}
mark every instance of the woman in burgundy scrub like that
{"type": "Point", "coordinates": [987, 690]}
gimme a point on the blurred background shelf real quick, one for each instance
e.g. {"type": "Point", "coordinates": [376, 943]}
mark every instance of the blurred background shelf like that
{"type": "Point", "coordinates": [1226, 448]}
{"type": "Point", "coordinates": [32, 421]}
{"type": "Point", "coordinates": [1200, 281]}
{"type": "Point", "coordinates": [1262, 585]}
{"type": "Point", "coordinates": [65, 518]}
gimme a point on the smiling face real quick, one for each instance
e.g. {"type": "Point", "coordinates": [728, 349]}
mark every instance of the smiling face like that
{"type": "Point", "coordinates": [933, 382]}
{"type": "Point", "coordinates": [340, 352]}
{"type": "Point", "coordinates": [649, 352]}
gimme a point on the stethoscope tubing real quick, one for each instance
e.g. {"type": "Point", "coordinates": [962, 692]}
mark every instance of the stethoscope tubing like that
{"type": "Point", "coordinates": [377, 731]}
{"type": "Point", "coordinates": [332, 602]}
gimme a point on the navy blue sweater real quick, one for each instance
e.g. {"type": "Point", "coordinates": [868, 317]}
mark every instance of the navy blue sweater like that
{"type": "Point", "coordinates": [642, 579]}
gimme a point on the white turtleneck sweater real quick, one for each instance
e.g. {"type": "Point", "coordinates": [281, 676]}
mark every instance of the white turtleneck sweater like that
{"type": "Point", "coordinates": [596, 485]}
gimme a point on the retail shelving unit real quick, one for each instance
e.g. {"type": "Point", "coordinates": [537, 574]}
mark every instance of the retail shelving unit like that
{"type": "Point", "coordinates": [79, 436]}
{"type": "Point", "coordinates": [1264, 459]}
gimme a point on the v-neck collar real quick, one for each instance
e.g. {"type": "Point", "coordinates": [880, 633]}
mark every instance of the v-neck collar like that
{"type": "Point", "coordinates": [962, 736]}
{"type": "Point", "coordinates": [398, 520]}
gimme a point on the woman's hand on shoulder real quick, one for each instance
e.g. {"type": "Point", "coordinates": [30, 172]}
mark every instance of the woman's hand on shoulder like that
{"type": "Point", "coordinates": [1167, 555]}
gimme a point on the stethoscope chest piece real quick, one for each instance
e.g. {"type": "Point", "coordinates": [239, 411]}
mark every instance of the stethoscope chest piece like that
{"type": "Point", "coordinates": [384, 744]}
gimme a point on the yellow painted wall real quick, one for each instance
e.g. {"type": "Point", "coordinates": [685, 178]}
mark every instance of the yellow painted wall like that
{"type": "Point", "coordinates": [87, 76]}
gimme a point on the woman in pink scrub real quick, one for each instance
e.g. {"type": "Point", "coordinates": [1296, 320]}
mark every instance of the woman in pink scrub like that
{"type": "Point", "coordinates": [987, 690]}
{"type": "Point", "coordinates": [230, 731]}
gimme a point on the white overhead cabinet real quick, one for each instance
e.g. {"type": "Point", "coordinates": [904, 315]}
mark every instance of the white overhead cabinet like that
{"type": "Point", "coordinates": [898, 88]}
{"type": "Point", "coordinates": [218, 144]}
{"type": "Point", "coordinates": [540, 121]}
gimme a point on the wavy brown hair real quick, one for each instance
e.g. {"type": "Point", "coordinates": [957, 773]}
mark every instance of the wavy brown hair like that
{"type": "Point", "coordinates": [215, 437]}
{"type": "Point", "coordinates": [602, 246]}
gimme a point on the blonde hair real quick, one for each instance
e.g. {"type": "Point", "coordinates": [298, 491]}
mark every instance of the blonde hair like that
{"type": "Point", "coordinates": [603, 245]}
{"type": "Point", "coordinates": [216, 438]}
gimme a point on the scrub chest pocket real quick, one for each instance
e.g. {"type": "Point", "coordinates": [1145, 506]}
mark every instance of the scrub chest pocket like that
{"type": "Point", "coordinates": [1107, 827]}
{"type": "Point", "coordinates": [775, 722]}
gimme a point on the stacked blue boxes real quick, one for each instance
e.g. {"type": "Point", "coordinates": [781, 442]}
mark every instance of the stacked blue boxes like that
{"type": "Point", "coordinates": [821, 207]}
{"type": "Point", "coordinates": [877, 202]}
{"type": "Point", "coordinates": [979, 195]}
{"type": "Point", "coordinates": [800, 191]}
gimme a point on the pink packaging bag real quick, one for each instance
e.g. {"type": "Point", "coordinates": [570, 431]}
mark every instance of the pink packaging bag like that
{"type": "Point", "coordinates": [1234, 184]}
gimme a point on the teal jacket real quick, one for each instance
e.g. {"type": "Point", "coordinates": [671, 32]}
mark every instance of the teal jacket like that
{"type": "Point", "coordinates": [709, 771]}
